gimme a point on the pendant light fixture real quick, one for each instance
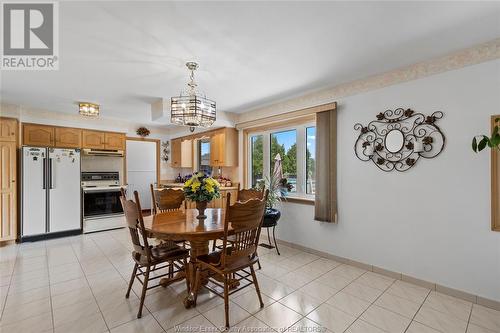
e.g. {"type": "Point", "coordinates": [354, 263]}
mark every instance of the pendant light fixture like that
{"type": "Point", "coordinates": [191, 108]}
{"type": "Point", "coordinates": [88, 109]}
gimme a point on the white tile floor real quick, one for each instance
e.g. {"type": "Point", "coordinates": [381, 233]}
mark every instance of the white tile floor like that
{"type": "Point", "coordinates": [77, 284]}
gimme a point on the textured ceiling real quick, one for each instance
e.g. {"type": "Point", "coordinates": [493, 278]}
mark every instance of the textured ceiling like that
{"type": "Point", "coordinates": [126, 55]}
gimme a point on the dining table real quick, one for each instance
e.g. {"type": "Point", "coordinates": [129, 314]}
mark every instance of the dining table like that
{"type": "Point", "coordinates": [183, 225]}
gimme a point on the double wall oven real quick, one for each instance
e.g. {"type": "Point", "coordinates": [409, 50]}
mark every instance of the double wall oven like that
{"type": "Point", "coordinates": [102, 209]}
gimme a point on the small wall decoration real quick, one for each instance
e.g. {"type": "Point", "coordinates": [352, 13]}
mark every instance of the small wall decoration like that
{"type": "Point", "coordinates": [397, 139]}
{"type": "Point", "coordinates": [165, 150]}
{"type": "Point", "coordinates": [143, 131]}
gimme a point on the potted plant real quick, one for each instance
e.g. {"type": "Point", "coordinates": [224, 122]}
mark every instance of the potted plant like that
{"type": "Point", "coordinates": [201, 189]}
{"type": "Point", "coordinates": [479, 142]}
{"type": "Point", "coordinates": [276, 193]}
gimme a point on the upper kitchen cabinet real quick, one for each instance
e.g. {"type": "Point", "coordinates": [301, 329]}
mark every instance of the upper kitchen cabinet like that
{"type": "Point", "coordinates": [114, 141]}
{"type": "Point", "coordinates": [93, 139]}
{"type": "Point", "coordinates": [187, 154]}
{"type": "Point", "coordinates": [103, 140]}
{"type": "Point", "coordinates": [182, 153]}
{"type": "Point", "coordinates": [68, 137]}
{"type": "Point", "coordinates": [38, 135]}
{"type": "Point", "coordinates": [176, 153]}
{"type": "Point", "coordinates": [8, 129]}
{"type": "Point", "coordinates": [224, 148]}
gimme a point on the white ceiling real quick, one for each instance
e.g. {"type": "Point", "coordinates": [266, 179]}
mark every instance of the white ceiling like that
{"type": "Point", "coordinates": [126, 55]}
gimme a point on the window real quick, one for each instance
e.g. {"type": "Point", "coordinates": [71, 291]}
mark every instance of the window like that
{"type": "Point", "coordinates": [285, 144]}
{"type": "Point", "coordinates": [204, 156]}
{"type": "Point", "coordinates": [310, 160]}
{"type": "Point", "coordinates": [296, 147]}
{"type": "Point", "coordinates": [256, 159]}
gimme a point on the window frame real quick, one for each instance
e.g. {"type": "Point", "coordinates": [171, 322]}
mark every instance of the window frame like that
{"type": "Point", "coordinates": [301, 141]}
{"type": "Point", "coordinates": [199, 142]}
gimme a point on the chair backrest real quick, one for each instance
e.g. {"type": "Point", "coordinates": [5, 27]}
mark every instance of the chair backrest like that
{"type": "Point", "coordinates": [135, 223]}
{"type": "Point", "coordinates": [166, 200]}
{"type": "Point", "coordinates": [246, 219]}
{"type": "Point", "coordinates": [247, 194]}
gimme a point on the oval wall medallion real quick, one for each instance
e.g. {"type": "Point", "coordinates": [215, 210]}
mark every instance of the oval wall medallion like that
{"type": "Point", "coordinates": [397, 139]}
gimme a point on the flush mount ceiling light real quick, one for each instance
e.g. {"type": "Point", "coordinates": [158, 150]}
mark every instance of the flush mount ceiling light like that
{"type": "Point", "coordinates": [191, 108]}
{"type": "Point", "coordinates": [88, 109]}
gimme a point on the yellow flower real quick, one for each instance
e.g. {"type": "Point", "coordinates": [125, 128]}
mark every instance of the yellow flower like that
{"type": "Point", "coordinates": [195, 186]}
{"type": "Point", "coordinates": [188, 182]}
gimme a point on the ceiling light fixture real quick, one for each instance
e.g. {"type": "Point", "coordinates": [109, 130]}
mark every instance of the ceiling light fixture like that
{"type": "Point", "coordinates": [191, 108]}
{"type": "Point", "coordinates": [88, 109]}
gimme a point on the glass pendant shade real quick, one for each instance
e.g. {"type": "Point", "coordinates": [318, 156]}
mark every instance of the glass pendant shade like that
{"type": "Point", "coordinates": [192, 111]}
{"type": "Point", "coordinates": [88, 109]}
{"type": "Point", "coordinates": [191, 108]}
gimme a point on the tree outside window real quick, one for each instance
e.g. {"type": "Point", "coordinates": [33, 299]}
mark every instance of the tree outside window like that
{"type": "Point", "coordinates": [310, 160]}
{"type": "Point", "coordinates": [285, 144]}
{"type": "Point", "coordinates": [257, 159]}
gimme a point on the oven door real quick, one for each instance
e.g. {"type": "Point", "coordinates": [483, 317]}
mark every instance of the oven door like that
{"type": "Point", "coordinates": [99, 203]}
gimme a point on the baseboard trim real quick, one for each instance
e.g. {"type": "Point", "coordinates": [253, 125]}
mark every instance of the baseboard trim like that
{"type": "Point", "coordinates": [493, 304]}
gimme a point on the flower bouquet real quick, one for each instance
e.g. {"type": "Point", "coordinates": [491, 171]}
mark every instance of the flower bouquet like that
{"type": "Point", "coordinates": [201, 189]}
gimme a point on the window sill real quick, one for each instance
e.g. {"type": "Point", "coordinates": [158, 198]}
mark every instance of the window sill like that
{"type": "Point", "coordinates": [299, 200]}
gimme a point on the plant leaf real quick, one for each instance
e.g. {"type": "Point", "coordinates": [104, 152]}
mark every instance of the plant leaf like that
{"type": "Point", "coordinates": [474, 144]}
{"type": "Point", "coordinates": [482, 144]}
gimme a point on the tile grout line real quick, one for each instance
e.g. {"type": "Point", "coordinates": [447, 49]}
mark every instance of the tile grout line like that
{"type": "Point", "coordinates": [132, 289]}
{"type": "Point", "coordinates": [86, 279]}
{"type": "Point", "coordinates": [372, 303]}
{"type": "Point", "coordinates": [8, 287]}
{"type": "Point", "coordinates": [50, 291]}
{"type": "Point", "coordinates": [305, 316]}
{"type": "Point", "coordinates": [421, 305]}
{"type": "Point", "coordinates": [470, 315]}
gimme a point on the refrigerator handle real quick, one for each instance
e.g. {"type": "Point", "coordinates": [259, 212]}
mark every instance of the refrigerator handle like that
{"type": "Point", "coordinates": [51, 180]}
{"type": "Point", "coordinates": [44, 178]}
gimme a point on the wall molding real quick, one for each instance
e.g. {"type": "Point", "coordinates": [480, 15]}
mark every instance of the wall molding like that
{"type": "Point", "coordinates": [466, 57]}
{"type": "Point", "coordinates": [475, 299]}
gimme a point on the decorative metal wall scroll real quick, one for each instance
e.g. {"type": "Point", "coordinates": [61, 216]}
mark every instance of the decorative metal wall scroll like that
{"type": "Point", "coordinates": [397, 139]}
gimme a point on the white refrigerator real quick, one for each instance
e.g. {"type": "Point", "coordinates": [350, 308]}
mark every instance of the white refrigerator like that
{"type": "Point", "coordinates": [141, 170]}
{"type": "Point", "coordinates": [51, 200]}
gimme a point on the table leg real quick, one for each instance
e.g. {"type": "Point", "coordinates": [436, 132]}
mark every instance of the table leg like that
{"type": "Point", "coordinates": [198, 248]}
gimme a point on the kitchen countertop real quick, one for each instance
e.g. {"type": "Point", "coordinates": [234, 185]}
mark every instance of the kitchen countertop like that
{"type": "Point", "coordinates": [180, 185]}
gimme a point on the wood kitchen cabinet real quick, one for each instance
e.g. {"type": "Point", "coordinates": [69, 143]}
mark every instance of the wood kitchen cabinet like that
{"type": "Point", "coordinates": [93, 139]}
{"type": "Point", "coordinates": [114, 141]}
{"type": "Point", "coordinates": [103, 140]}
{"type": "Point", "coordinates": [8, 179]}
{"type": "Point", "coordinates": [38, 135]}
{"type": "Point", "coordinates": [224, 148]}
{"type": "Point", "coordinates": [8, 129]}
{"type": "Point", "coordinates": [181, 153]}
{"type": "Point", "coordinates": [176, 153]}
{"type": "Point", "coordinates": [187, 154]}
{"type": "Point", "coordinates": [68, 137]}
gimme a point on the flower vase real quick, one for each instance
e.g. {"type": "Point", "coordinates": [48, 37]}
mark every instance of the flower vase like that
{"type": "Point", "coordinates": [201, 206]}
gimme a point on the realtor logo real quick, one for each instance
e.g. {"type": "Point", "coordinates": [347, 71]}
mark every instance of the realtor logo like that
{"type": "Point", "coordinates": [30, 36]}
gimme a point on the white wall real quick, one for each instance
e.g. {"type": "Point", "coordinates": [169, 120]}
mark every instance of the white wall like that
{"type": "Point", "coordinates": [433, 221]}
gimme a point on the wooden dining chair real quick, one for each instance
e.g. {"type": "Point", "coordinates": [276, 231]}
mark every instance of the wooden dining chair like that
{"type": "Point", "coordinates": [168, 200]}
{"type": "Point", "coordinates": [230, 264]}
{"type": "Point", "coordinates": [243, 195]}
{"type": "Point", "coordinates": [151, 258]}
{"type": "Point", "coordinates": [251, 193]}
